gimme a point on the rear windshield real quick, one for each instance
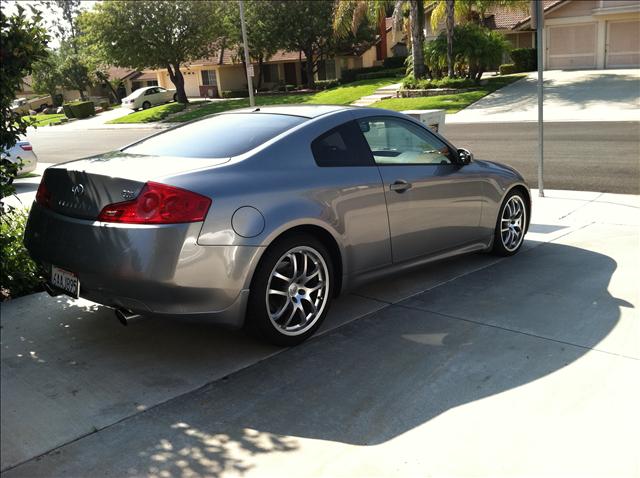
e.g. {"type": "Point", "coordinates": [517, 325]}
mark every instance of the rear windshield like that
{"type": "Point", "coordinates": [217, 137]}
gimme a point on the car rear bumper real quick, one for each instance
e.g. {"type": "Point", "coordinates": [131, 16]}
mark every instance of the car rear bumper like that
{"type": "Point", "coordinates": [149, 270]}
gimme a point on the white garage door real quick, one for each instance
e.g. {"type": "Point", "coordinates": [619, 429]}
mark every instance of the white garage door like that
{"type": "Point", "coordinates": [571, 47]}
{"type": "Point", "coordinates": [623, 44]}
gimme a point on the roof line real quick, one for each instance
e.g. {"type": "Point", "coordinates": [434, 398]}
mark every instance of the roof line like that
{"type": "Point", "coordinates": [545, 10]}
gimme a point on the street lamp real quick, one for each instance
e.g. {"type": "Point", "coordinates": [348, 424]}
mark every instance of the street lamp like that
{"type": "Point", "coordinates": [537, 15]}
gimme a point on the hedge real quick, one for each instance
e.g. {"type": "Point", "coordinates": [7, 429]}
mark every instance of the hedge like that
{"type": "Point", "coordinates": [508, 69]}
{"type": "Point", "coordinates": [235, 93]}
{"type": "Point", "coordinates": [79, 109]}
{"type": "Point", "coordinates": [525, 59]}
{"type": "Point", "coordinates": [326, 84]}
{"type": "Point", "coordinates": [410, 83]}
{"type": "Point", "coordinates": [394, 62]}
{"type": "Point", "coordinates": [19, 275]}
{"type": "Point", "coordinates": [381, 74]}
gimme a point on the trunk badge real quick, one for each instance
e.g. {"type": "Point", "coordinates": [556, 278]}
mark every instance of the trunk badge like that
{"type": "Point", "coordinates": [126, 194]}
{"type": "Point", "coordinates": [77, 190]}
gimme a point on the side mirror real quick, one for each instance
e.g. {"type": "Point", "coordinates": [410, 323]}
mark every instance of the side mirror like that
{"type": "Point", "coordinates": [465, 155]}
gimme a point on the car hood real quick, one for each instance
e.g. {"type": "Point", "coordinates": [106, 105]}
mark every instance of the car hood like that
{"type": "Point", "coordinates": [499, 167]}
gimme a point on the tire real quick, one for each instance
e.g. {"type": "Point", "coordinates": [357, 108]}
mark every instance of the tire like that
{"type": "Point", "coordinates": [296, 311]}
{"type": "Point", "coordinates": [146, 105]}
{"type": "Point", "coordinates": [511, 225]}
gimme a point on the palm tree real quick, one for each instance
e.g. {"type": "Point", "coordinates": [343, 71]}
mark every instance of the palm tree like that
{"type": "Point", "coordinates": [450, 21]}
{"type": "Point", "coordinates": [350, 14]}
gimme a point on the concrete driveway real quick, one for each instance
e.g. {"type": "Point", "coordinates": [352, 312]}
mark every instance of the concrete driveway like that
{"type": "Point", "coordinates": [472, 367]}
{"type": "Point", "coordinates": [597, 95]}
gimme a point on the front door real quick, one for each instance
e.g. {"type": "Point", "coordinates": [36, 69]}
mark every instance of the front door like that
{"type": "Point", "coordinates": [433, 203]}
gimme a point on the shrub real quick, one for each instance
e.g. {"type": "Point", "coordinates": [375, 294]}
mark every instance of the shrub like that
{"type": "Point", "coordinates": [19, 274]}
{"type": "Point", "coordinates": [348, 76]}
{"type": "Point", "coordinates": [394, 62]}
{"type": "Point", "coordinates": [381, 74]}
{"type": "Point", "coordinates": [80, 109]}
{"type": "Point", "coordinates": [525, 59]}
{"type": "Point", "coordinates": [286, 87]}
{"type": "Point", "coordinates": [326, 84]}
{"type": "Point", "coordinates": [67, 110]}
{"type": "Point", "coordinates": [475, 50]}
{"type": "Point", "coordinates": [105, 105]}
{"type": "Point", "coordinates": [410, 83]}
{"type": "Point", "coordinates": [235, 94]}
{"type": "Point", "coordinates": [508, 69]}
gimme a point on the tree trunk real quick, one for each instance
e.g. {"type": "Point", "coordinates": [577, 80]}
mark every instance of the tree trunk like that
{"type": "Point", "coordinates": [417, 35]}
{"type": "Point", "coordinates": [450, 20]}
{"type": "Point", "coordinates": [309, 68]}
{"type": "Point", "coordinates": [82, 97]}
{"type": "Point", "coordinates": [382, 29]}
{"type": "Point", "coordinates": [178, 80]}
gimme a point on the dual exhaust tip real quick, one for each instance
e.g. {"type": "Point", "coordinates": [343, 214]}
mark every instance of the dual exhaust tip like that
{"type": "Point", "coordinates": [123, 315]}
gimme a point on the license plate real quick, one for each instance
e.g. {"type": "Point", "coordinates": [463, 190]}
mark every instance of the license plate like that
{"type": "Point", "coordinates": [66, 281]}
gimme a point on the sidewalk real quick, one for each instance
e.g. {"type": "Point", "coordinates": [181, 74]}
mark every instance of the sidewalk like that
{"type": "Point", "coordinates": [524, 365]}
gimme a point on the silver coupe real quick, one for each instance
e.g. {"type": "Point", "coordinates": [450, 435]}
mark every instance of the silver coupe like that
{"type": "Point", "coordinates": [258, 218]}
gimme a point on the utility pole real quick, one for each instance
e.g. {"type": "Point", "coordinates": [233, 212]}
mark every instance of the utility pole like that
{"type": "Point", "coordinates": [537, 13]}
{"type": "Point", "coordinates": [247, 59]}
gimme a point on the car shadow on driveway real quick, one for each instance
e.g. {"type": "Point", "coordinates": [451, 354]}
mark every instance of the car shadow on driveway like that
{"type": "Point", "coordinates": [372, 380]}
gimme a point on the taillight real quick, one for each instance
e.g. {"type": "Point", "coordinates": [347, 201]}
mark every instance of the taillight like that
{"type": "Point", "coordinates": [158, 204]}
{"type": "Point", "coordinates": [43, 196]}
{"type": "Point", "coordinates": [26, 147]}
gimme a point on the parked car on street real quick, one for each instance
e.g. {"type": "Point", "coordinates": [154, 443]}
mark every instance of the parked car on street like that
{"type": "Point", "coordinates": [24, 105]}
{"type": "Point", "coordinates": [148, 96]}
{"type": "Point", "coordinates": [258, 217]}
{"type": "Point", "coordinates": [22, 154]}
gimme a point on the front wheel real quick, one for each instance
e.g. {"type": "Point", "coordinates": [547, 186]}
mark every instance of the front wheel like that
{"type": "Point", "coordinates": [291, 291]}
{"type": "Point", "coordinates": [511, 225]}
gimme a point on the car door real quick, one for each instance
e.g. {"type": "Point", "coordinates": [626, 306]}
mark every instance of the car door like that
{"type": "Point", "coordinates": [432, 202]}
{"type": "Point", "coordinates": [152, 96]}
{"type": "Point", "coordinates": [163, 95]}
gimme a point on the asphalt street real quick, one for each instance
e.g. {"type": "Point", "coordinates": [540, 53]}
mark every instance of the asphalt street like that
{"type": "Point", "coordinates": [583, 156]}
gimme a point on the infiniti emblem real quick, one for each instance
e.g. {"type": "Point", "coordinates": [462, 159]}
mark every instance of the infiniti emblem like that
{"type": "Point", "coordinates": [77, 190]}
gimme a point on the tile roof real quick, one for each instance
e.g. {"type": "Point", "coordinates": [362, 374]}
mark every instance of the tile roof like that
{"type": "Point", "coordinates": [120, 73]}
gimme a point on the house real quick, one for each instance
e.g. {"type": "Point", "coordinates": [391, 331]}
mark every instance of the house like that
{"type": "Point", "coordinates": [224, 71]}
{"type": "Point", "coordinates": [578, 34]}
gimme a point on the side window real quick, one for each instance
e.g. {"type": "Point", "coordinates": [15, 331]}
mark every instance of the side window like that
{"type": "Point", "coordinates": [341, 146]}
{"type": "Point", "coordinates": [151, 91]}
{"type": "Point", "coordinates": [394, 141]}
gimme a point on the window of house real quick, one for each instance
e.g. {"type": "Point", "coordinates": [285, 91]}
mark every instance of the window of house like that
{"type": "Point", "coordinates": [270, 73]}
{"type": "Point", "coordinates": [209, 78]}
{"type": "Point", "coordinates": [331, 69]}
{"type": "Point", "coordinates": [152, 83]}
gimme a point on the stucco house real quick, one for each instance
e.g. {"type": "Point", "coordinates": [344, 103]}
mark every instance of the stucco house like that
{"type": "Point", "coordinates": [224, 71]}
{"type": "Point", "coordinates": [578, 34]}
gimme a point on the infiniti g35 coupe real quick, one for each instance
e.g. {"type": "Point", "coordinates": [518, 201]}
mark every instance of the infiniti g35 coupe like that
{"type": "Point", "coordinates": [257, 218]}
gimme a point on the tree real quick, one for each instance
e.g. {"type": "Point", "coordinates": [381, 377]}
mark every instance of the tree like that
{"type": "Point", "coordinates": [46, 75]}
{"type": "Point", "coordinates": [306, 26]}
{"type": "Point", "coordinates": [450, 24]}
{"type": "Point", "coordinates": [23, 42]}
{"type": "Point", "coordinates": [154, 34]}
{"type": "Point", "coordinates": [74, 66]}
{"type": "Point", "coordinates": [350, 15]}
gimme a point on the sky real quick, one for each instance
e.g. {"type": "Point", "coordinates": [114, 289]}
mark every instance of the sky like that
{"type": "Point", "coordinates": [10, 8]}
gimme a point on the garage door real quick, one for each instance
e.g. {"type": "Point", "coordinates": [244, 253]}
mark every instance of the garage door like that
{"type": "Point", "coordinates": [623, 44]}
{"type": "Point", "coordinates": [571, 47]}
{"type": "Point", "coordinates": [191, 85]}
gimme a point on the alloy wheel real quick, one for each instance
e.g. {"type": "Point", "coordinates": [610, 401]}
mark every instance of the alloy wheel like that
{"type": "Point", "coordinates": [297, 290]}
{"type": "Point", "coordinates": [512, 223]}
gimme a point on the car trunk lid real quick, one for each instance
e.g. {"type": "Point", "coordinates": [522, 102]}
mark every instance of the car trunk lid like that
{"type": "Point", "coordinates": [83, 188]}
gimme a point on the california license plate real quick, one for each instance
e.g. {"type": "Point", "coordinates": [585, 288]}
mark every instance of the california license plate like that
{"type": "Point", "coordinates": [66, 281]}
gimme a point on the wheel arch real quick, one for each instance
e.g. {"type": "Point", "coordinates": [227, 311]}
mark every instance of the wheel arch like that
{"type": "Point", "coordinates": [327, 239]}
{"type": "Point", "coordinates": [527, 195]}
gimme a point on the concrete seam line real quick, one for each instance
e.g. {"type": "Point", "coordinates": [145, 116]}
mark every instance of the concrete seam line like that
{"type": "Point", "coordinates": [586, 203]}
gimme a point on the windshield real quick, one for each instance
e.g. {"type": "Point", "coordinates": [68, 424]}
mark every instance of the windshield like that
{"type": "Point", "coordinates": [220, 136]}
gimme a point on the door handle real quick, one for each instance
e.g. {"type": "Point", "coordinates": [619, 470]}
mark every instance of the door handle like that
{"type": "Point", "coordinates": [400, 186]}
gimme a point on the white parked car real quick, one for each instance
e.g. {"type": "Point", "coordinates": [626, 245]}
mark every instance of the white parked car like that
{"type": "Point", "coordinates": [149, 96]}
{"type": "Point", "coordinates": [21, 151]}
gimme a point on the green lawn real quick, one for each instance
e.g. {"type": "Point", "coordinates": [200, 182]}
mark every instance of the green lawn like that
{"type": "Point", "coordinates": [44, 120]}
{"type": "Point", "coordinates": [449, 103]}
{"type": "Point", "coordinates": [340, 95]}
{"type": "Point", "coordinates": [150, 115]}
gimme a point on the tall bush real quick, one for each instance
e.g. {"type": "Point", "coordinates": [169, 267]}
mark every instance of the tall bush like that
{"type": "Point", "coordinates": [475, 50]}
{"type": "Point", "coordinates": [19, 275]}
{"type": "Point", "coordinates": [524, 59]}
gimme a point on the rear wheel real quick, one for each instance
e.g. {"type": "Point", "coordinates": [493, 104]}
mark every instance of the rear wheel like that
{"type": "Point", "coordinates": [146, 105]}
{"type": "Point", "coordinates": [291, 291]}
{"type": "Point", "coordinates": [511, 225]}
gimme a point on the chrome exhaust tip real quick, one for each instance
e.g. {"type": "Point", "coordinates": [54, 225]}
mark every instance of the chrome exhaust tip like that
{"type": "Point", "coordinates": [124, 316]}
